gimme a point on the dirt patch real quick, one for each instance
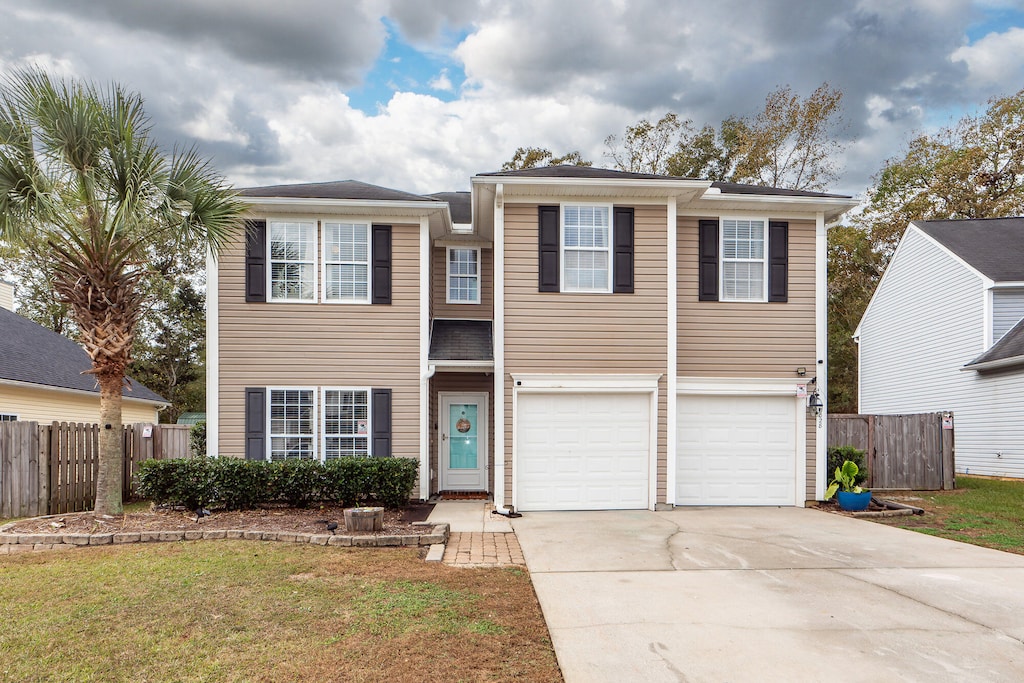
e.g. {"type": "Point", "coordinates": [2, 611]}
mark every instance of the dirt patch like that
{"type": "Point", "coordinates": [312, 521]}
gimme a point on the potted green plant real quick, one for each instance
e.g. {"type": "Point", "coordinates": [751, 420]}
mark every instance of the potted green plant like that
{"type": "Point", "coordinates": [844, 486]}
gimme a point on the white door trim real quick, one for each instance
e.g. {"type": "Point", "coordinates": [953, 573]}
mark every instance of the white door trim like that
{"type": "Point", "coordinates": [445, 399]}
{"type": "Point", "coordinates": [732, 386]}
{"type": "Point", "coordinates": [582, 384]}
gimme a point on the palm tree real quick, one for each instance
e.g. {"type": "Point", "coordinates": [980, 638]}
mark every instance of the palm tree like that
{"type": "Point", "coordinates": [84, 185]}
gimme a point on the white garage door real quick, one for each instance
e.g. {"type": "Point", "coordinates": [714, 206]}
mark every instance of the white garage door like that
{"type": "Point", "coordinates": [582, 451]}
{"type": "Point", "coordinates": [736, 450]}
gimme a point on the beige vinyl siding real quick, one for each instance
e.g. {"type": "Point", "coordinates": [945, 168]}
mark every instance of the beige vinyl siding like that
{"type": "Point", "coordinates": [322, 345]}
{"type": "Point", "coordinates": [741, 339]}
{"type": "Point", "coordinates": [554, 332]}
{"type": "Point", "coordinates": [457, 382]}
{"type": "Point", "coordinates": [46, 405]}
{"type": "Point", "coordinates": [439, 288]}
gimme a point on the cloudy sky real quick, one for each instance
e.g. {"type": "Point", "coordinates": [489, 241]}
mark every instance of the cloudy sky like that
{"type": "Point", "coordinates": [421, 94]}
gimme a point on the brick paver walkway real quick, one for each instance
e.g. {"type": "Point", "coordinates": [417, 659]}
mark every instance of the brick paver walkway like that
{"type": "Point", "coordinates": [479, 549]}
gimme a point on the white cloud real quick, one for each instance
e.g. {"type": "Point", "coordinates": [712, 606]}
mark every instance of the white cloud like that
{"type": "Point", "coordinates": [441, 82]}
{"type": "Point", "coordinates": [997, 59]}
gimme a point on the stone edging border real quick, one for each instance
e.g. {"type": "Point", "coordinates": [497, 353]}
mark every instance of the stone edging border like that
{"type": "Point", "coordinates": [15, 543]}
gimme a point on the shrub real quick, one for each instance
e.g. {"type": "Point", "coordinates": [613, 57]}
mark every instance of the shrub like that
{"type": "Point", "coordinates": [242, 484]}
{"type": "Point", "coordinates": [197, 439]}
{"type": "Point", "coordinates": [298, 482]}
{"type": "Point", "coordinates": [187, 481]}
{"type": "Point", "coordinates": [345, 481]}
{"type": "Point", "coordinates": [245, 484]}
{"type": "Point", "coordinates": [392, 480]}
{"type": "Point", "coordinates": [837, 455]}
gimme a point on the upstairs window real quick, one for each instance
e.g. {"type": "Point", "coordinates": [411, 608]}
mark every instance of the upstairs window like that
{"type": "Point", "coordinates": [586, 248]}
{"type": "Point", "coordinates": [292, 260]}
{"type": "Point", "coordinates": [292, 424]}
{"type": "Point", "coordinates": [463, 276]}
{"type": "Point", "coordinates": [743, 260]}
{"type": "Point", "coordinates": [346, 422]}
{"type": "Point", "coordinates": [347, 262]}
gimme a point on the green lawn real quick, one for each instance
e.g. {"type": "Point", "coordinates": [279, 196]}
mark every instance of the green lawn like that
{"type": "Point", "coordinates": [986, 512]}
{"type": "Point", "coordinates": [244, 611]}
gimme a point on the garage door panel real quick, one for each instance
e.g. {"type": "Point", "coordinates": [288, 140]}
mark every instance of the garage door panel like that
{"type": "Point", "coordinates": [736, 450]}
{"type": "Point", "coordinates": [582, 451]}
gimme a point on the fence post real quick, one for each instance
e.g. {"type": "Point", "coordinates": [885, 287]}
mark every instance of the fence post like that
{"type": "Point", "coordinates": [44, 469]}
{"type": "Point", "coordinates": [948, 460]}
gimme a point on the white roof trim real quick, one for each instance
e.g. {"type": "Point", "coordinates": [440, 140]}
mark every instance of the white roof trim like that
{"type": "Point", "coordinates": [588, 383]}
{"type": "Point", "coordinates": [78, 392]}
{"type": "Point", "coordinates": [994, 364]}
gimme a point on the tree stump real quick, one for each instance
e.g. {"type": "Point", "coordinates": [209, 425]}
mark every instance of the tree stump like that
{"type": "Point", "coordinates": [364, 519]}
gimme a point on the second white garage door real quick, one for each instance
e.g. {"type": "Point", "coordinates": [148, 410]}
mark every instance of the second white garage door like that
{"type": "Point", "coordinates": [736, 450]}
{"type": "Point", "coordinates": [582, 451]}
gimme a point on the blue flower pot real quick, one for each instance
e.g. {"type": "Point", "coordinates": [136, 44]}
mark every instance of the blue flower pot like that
{"type": "Point", "coordinates": [853, 502]}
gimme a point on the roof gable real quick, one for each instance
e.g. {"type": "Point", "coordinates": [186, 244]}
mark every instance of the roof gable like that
{"type": "Point", "coordinates": [992, 246]}
{"type": "Point", "coordinates": [32, 354]}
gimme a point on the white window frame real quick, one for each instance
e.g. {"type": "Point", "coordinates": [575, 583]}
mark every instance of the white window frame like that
{"type": "Point", "coordinates": [326, 262]}
{"type": "Point", "coordinates": [764, 260]}
{"type": "Point", "coordinates": [323, 420]}
{"type": "Point", "coordinates": [448, 275]}
{"type": "Point", "coordinates": [607, 248]}
{"type": "Point", "coordinates": [313, 419]}
{"type": "Point", "coordinates": [8, 417]}
{"type": "Point", "coordinates": [270, 261]}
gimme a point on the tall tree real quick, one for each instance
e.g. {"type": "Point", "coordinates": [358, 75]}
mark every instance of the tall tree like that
{"type": "Point", "coordinates": [645, 147]}
{"type": "Point", "coordinates": [532, 157]}
{"type": "Point", "coordinates": [792, 143]}
{"type": "Point", "coordinates": [84, 185]}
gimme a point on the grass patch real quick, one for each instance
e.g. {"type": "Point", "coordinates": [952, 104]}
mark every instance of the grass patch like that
{"type": "Point", "coordinates": [243, 611]}
{"type": "Point", "coordinates": [985, 512]}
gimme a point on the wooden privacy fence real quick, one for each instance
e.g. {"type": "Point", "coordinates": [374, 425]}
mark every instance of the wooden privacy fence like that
{"type": "Point", "coordinates": [50, 469]}
{"type": "Point", "coordinates": [903, 451]}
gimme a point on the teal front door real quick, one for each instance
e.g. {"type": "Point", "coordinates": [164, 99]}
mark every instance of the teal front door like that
{"type": "Point", "coordinates": [462, 441]}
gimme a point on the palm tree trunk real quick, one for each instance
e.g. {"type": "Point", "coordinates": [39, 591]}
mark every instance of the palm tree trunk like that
{"type": "Point", "coordinates": [110, 463]}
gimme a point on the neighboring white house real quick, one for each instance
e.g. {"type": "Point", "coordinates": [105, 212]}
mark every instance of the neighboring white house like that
{"type": "Point", "coordinates": [944, 331]}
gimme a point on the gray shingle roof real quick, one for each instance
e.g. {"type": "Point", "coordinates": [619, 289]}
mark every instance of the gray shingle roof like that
{"type": "Point", "coordinates": [1011, 345]}
{"type": "Point", "coordinates": [568, 171]}
{"type": "Point", "coordinates": [459, 203]}
{"type": "Point", "coordinates": [993, 246]}
{"type": "Point", "coordinates": [339, 189]}
{"type": "Point", "coordinates": [461, 340]}
{"type": "Point", "coordinates": [33, 354]}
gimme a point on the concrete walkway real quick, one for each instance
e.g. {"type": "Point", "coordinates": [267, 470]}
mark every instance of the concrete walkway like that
{"type": "Point", "coordinates": [477, 537]}
{"type": "Point", "coordinates": [778, 594]}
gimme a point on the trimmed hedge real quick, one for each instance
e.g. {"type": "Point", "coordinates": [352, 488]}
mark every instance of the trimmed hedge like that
{"type": "Point", "coordinates": [238, 484]}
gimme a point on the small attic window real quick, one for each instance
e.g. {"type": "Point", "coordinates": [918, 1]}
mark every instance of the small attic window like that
{"type": "Point", "coordinates": [462, 228]}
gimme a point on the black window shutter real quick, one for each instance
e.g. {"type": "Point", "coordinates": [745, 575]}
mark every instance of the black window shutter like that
{"type": "Point", "coordinates": [707, 285]}
{"type": "Point", "coordinates": [778, 261]}
{"type": "Point", "coordinates": [623, 245]}
{"type": "Point", "coordinates": [380, 404]}
{"type": "Point", "coordinates": [255, 423]}
{"type": "Point", "coordinates": [548, 245]}
{"type": "Point", "coordinates": [381, 264]}
{"type": "Point", "coordinates": [255, 260]}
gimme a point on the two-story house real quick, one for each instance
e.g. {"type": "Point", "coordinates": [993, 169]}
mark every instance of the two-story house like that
{"type": "Point", "coordinates": [563, 337]}
{"type": "Point", "coordinates": [944, 331]}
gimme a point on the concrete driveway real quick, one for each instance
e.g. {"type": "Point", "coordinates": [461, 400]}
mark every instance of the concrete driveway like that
{"type": "Point", "coordinates": [770, 594]}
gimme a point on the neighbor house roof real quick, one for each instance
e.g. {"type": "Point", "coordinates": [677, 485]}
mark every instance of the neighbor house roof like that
{"type": "Point", "coordinates": [461, 340]}
{"type": "Point", "coordinates": [1008, 351]}
{"type": "Point", "coordinates": [992, 246]}
{"type": "Point", "coordinates": [32, 354]}
{"type": "Point", "coordinates": [339, 189]}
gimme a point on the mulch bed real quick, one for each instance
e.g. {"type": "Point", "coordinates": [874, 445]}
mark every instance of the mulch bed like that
{"type": "Point", "coordinates": [311, 520]}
